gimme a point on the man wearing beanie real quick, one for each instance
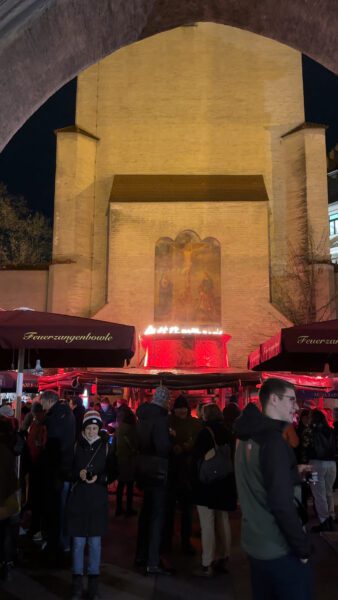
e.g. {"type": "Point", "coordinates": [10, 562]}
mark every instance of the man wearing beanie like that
{"type": "Point", "coordinates": [184, 428]}
{"type": "Point", "coordinates": [155, 446]}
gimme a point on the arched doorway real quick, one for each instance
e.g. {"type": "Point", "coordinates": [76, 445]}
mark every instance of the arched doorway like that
{"type": "Point", "coordinates": [45, 44]}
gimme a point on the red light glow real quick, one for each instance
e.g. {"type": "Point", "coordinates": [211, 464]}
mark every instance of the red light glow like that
{"type": "Point", "coordinates": [185, 351]}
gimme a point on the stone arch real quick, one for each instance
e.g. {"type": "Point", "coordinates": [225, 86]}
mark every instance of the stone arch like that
{"type": "Point", "coordinates": [45, 43]}
{"type": "Point", "coordinates": [187, 280]}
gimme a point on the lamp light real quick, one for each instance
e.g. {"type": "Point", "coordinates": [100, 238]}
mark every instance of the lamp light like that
{"type": "Point", "coordinates": [172, 330]}
{"type": "Point", "coordinates": [38, 370]}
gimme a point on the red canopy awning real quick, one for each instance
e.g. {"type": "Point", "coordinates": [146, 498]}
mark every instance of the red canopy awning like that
{"type": "Point", "coordinates": [301, 381]}
{"type": "Point", "coordinates": [305, 348]}
{"type": "Point", "coordinates": [8, 381]}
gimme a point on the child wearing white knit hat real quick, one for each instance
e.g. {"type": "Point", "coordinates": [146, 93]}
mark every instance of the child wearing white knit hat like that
{"type": "Point", "coordinates": [88, 502]}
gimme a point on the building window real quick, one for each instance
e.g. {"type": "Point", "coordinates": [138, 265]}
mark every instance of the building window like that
{"type": "Point", "coordinates": [334, 224]}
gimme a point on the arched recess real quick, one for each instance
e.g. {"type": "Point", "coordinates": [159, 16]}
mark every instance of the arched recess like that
{"type": "Point", "coordinates": [45, 43]}
{"type": "Point", "coordinates": [187, 280]}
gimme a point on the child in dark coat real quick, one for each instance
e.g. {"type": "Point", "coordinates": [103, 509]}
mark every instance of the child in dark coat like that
{"type": "Point", "coordinates": [88, 502]}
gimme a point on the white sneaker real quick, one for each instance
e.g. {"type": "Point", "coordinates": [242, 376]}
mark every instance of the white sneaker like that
{"type": "Point", "coordinates": [37, 537]}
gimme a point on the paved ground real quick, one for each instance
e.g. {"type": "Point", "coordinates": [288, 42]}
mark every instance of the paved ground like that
{"type": "Point", "coordinates": [120, 580]}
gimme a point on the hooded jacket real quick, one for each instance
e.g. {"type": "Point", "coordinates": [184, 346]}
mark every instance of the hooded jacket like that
{"type": "Point", "coordinates": [268, 484]}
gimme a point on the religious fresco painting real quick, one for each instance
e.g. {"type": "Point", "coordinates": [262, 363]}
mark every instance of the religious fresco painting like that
{"type": "Point", "coordinates": [188, 280]}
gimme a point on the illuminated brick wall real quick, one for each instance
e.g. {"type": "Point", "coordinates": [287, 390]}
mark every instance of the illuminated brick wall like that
{"type": "Point", "coordinates": [208, 99]}
{"type": "Point", "coordinates": [242, 230]}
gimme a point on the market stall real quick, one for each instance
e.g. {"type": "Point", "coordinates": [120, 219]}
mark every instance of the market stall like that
{"type": "Point", "coordinates": [306, 348]}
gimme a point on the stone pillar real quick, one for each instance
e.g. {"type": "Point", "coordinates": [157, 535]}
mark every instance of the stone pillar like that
{"type": "Point", "coordinates": [316, 190]}
{"type": "Point", "coordinates": [71, 270]}
{"type": "Point", "coordinates": [306, 222]}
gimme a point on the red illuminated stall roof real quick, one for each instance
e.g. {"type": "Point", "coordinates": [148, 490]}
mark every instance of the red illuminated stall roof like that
{"type": "Point", "coordinates": [179, 379]}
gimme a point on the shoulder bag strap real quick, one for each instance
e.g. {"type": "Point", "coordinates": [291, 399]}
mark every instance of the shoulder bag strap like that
{"type": "Point", "coordinates": [87, 465]}
{"type": "Point", "coordinates": [213, 437]}
{"type": "Point", "coordinates": [95, 453]}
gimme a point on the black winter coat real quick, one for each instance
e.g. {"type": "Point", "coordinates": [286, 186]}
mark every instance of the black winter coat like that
{"type": "Point", "coordinates": [153, 430]}
{"type": "Point", "coordinates": [88, 502]}
{"type": "Point", "coordinates": [58, 453]}
{"type": "Point", "coordinates": [220, 495]}
{"type": "Point", "coordinates": [320, 442]}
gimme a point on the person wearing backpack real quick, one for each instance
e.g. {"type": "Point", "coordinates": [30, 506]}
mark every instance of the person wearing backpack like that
{"type": "Point", "coordinates": [215, 498]}
{"type": "Point", "coordinates": [320, 446]}
{"type": "Point", "coordinates": [93, 465]}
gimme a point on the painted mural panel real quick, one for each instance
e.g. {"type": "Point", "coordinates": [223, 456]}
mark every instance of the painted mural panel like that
{"type": "Point", "coordinates": [188, 280]}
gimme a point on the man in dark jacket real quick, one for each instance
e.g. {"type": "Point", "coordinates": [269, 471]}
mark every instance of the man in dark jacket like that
{"type": "Point", "coordinates": [155, 444]}
{"type": "Point", "coordinates": [269, 491]}
{"type": "Point", "coordinates": [57, 465]}
{"type": "Point", "coordinates": [184, 429]}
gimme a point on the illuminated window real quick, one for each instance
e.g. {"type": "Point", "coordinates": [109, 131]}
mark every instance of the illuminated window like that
{"type": "Point", "coordinates": [334, 225]}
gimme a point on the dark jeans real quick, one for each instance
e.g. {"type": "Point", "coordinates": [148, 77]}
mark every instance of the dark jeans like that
{"type": "Point", "coordinates": [150, 526]}
{"type": "Point", "coordinates": [183, 499]}
{"type": "Point", "coordinates": [9, 534]}
{"type": "Point", "coordinates": [119, 494]}
{"type": "Point", "coordinates": [35, 498]}
{"type": "Point", "coordinates": [64, 537]}
{"type": "Point", "coordinates": [52, 520]}
{"type": "Point", "coordinates": [285, 578]}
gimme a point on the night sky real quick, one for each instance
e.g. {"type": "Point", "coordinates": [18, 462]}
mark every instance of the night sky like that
{"type": "Point", "coordinates": [27, 164]}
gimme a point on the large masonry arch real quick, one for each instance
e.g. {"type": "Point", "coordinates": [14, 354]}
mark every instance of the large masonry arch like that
{"type": "Point", "coordinates": [45, 43]}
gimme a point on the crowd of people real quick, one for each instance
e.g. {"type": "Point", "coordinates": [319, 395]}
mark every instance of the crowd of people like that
{"type": "Point", "coordinates": [69, 455]}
